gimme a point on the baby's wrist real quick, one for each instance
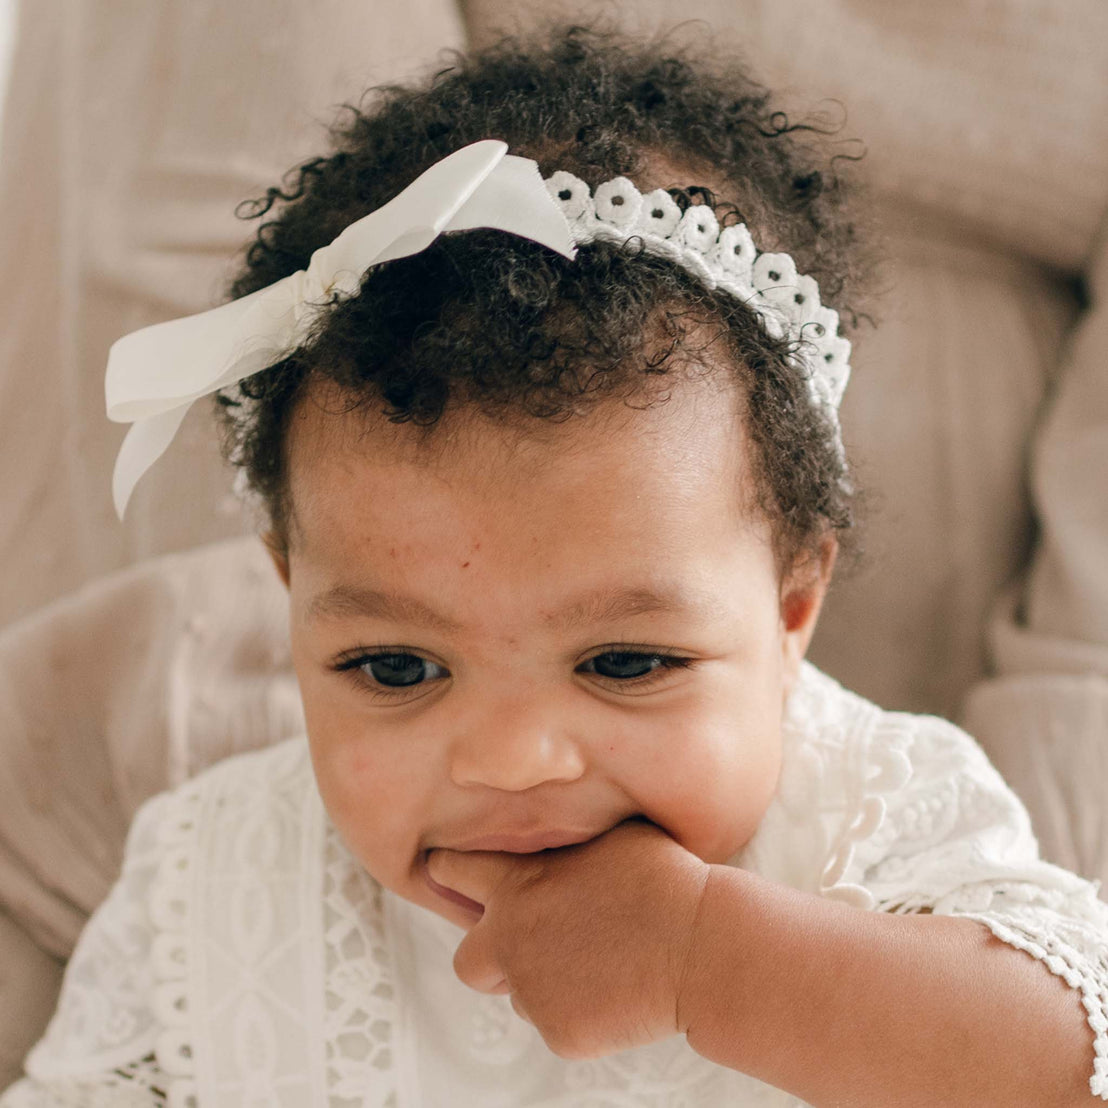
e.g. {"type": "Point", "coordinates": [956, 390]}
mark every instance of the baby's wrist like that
{"type": "Point", "coordinates": [699, 984]}
{"type": "Point", "coordinates": [731, 954]}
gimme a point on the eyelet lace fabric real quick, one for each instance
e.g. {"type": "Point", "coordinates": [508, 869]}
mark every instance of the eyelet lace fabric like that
{"type": "Point", "coordinates": [245, 958]}
{"type": "Point", "coordinates": [786, 303]}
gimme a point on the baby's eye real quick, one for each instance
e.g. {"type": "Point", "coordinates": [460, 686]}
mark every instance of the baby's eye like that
{"type": "Point", "coordinates": [633, 667]}
{"type": "Point", "coordinates": [623, 664]}
{"type": "Point", "coordinates": [397, 670]}
{"type": "Point", "coordinates": [389, 671]}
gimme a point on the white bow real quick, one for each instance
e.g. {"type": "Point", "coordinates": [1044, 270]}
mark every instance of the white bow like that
{"type": "Point", "coordinates": [154, 375]}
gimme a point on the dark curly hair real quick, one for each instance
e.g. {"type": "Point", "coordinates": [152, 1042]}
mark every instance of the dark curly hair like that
{"type": "Point", "coordinates": [490, 320]}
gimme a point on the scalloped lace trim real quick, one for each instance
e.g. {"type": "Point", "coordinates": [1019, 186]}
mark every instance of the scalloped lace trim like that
{"type": "Point", "coordinates": [787, 303]}
{"type": "Point", "coordinates": [1066, 932]}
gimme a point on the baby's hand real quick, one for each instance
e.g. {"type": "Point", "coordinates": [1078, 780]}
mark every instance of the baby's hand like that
{"type": "Point", "coordinates": [591, 941]}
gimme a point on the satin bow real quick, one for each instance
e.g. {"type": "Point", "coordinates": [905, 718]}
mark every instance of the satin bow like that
{"type": "Point", "coordinates": [154, 375]}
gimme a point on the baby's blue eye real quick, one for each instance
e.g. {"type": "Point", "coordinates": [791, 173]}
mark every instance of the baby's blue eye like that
{"type": "Point", "coordinates": [625, 664]}
{"type": "Point", "coordinates": [397, 670]}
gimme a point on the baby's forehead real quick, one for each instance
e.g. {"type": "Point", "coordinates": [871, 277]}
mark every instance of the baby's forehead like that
{"type": "Point", "coordinates": [346, 460]}
{"type": "Point", "coordinates": [664, 414]}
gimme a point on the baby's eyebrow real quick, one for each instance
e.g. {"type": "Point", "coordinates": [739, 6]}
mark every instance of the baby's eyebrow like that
{"type": "Point", "coordinates": [604, 606]}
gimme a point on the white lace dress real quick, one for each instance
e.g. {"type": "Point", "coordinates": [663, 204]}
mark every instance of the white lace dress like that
{"type": "Point", "coordinates": [244, 958]}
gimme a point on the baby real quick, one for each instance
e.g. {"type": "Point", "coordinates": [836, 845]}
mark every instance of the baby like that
{"type": "Point", "coordinates": [535, 380]}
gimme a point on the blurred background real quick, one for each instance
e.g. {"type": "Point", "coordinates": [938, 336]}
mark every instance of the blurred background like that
{"type": "Point", "coordinates": [131, 655]}
{"type": "Point", "coordinates": [7, 26]}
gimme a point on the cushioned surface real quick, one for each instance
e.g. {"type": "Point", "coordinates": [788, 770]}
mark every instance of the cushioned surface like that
{"type": "Point", "coordinates": [132, 132]}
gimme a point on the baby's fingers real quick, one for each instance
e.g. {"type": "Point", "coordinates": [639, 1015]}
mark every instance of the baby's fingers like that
{"type": "Point", "coordinates": [474, 874]}
{"type": "Point", "coordinates": [476, 964]}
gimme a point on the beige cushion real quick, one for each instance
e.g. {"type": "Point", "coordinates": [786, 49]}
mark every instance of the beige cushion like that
{"type": "Point", "coordinates": [132, 130]}
{"type": "Point", "coordinates": [987, 144]}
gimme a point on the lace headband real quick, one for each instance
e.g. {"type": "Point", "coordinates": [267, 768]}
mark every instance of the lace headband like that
{"type": "Point", "coordinates": [154, 375]}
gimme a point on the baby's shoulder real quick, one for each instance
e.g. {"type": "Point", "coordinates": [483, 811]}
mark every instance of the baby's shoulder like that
{"type": "Point", "coordinates": [871, 783]}
{"type": "Point", "coordinates": [253, 779]}
{"type": "Point", "coordinates": [907, 748]}
{"type": "Point", "coordinates": [283, 764]}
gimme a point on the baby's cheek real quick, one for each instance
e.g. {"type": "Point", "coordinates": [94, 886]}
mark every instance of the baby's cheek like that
{"type": "Point", "coordinates": [350, 781]}
{"type": "Point", "coordinates": [720, 792]}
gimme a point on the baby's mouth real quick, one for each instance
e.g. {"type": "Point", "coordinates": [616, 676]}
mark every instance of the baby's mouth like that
{"type": "Point", "coordinates": [530, 843]}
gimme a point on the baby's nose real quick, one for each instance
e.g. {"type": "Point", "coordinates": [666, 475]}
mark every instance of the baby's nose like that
{"type": "Point", "coordinates": [515, 747]}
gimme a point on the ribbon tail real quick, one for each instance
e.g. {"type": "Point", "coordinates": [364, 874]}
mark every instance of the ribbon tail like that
{"type": "Point", "coordinates": [146, 441]}
{"type": "Point", "coordinates": [514, 198]}
{"type": "Point", "coordinates": [170, 363]}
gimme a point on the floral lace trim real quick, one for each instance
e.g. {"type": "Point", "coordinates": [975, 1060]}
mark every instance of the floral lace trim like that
{"type": "Point", "coordinates": [844, 759]}
{"type": "Point", "coordinates": [103, 1020]}
{"type": "Point", "coordinates": [786, 303]}
{"type": "Point", "coordinates": [936, 848]}
{"type": "Point", "coordinates": [887, 771]}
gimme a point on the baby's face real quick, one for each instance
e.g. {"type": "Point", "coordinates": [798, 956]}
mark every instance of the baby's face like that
{"type": "Point", "coordinates": [509, 643]}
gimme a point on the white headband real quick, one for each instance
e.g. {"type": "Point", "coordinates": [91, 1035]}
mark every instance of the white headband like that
{"type": "Point", "coordinates": [154, 375]}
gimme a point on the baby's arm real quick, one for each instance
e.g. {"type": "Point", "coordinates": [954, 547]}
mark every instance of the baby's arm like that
{"type": "Point", "coordinates": [629, 938]}
{"type": "Point", "coordinates": [850, 1008]}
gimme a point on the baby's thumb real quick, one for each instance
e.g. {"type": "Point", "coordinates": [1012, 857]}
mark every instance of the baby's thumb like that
{"type": "Point", "coordinates": [476, 964]}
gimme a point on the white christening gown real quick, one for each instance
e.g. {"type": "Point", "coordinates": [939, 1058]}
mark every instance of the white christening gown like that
{"type": "Point", "coordinates": [245, 959]}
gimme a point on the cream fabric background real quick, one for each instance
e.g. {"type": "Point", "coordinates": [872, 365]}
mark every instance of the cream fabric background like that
{"type": "Point", "coordinates": [133, 129]}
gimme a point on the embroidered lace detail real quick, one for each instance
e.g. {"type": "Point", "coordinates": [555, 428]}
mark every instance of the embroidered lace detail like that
{"type": "Point", "coordinates": [139, 1084]}
{"type": "Point", "coordinates": [955, 841]}
{"type": "Point", "coordinates": [360, 1006]}
{"type": "Point", "coordinates": [169, 907]}
{"type": "Point", "coordinates": [239, 844]}
{"type": "Point", "coordinates": [103, 1020]}
{"type": "Point", "coordinates": [887, 771]}
{"type": "Point", "coordinates": [841, 761]}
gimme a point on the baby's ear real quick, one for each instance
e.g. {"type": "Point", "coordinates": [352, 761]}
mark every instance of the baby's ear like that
{"type": "Point", "coordinates": [279, 554]}
{"type": "Point", "coordinates": [802, 594]}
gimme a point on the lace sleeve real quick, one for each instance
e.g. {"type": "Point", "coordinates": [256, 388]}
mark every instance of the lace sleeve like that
{"type": "Point", "coordinates": [955, 840]}
{"type": "Point", "coordinates": [99, 1048]}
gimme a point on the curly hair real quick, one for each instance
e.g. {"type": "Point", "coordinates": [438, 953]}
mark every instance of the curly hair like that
{"type": "Point", "coordinates": [502, 324]}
